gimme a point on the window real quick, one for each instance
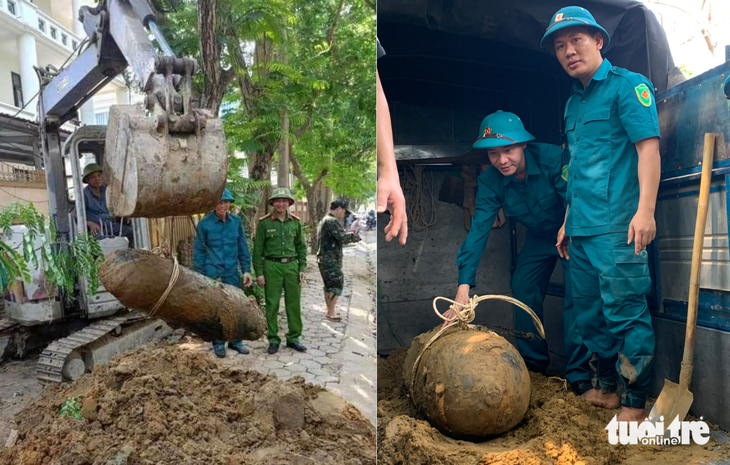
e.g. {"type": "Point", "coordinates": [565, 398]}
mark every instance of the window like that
{"type": "Point", "coordinates": [12, 8]}
{"type": "Point", "coordinates": [41, 25]}
{"type": "Point", "coordinates": [17, 89]}
{"type": "Point", "coordinates": [74, 44]}
{"type": "Point", "coordinates": [102, 118]}
{"type": "Point", "coordinates": [64, 39]}
{"type": "Point", "coordinates": [54, 32]}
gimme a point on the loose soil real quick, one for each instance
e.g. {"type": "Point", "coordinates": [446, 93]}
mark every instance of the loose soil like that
{"type": "Point", "coordinates": [167, 405]}
{"type": "Point", "coordinates": [559, 428]}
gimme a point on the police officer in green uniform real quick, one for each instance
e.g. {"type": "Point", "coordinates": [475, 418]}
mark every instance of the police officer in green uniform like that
{"type": "Point", "coordinates": [331, 236]}
{"type": "Point", "coordinates": [613, 136]}
{"type": "Point", "coordinates": [280, 259]}
{"type": "Point", "coordinates": [527, 180]}
{"type": "Point", "coordinates": [220, 249]}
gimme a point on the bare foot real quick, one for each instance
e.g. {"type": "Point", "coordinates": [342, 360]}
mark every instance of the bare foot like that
{"type": "Point", "coordinates": [631, 414]}
{"type": "Point", "coordinates": [599, 399]}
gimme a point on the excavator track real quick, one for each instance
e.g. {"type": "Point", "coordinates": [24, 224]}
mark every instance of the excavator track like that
{"type": "Point", "coordinates": [51, 361]}
{"type": "Point", "coordinates": [6, 324]}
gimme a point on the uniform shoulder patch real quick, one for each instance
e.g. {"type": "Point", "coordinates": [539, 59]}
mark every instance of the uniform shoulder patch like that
{"type": "Point", "coordinates": [264, 217]}
{"type": "Point", "coordinates": [295, 216]}
{"type": "Point", "coordinates": [644, 95]}
{"type": "Point", "coordinates": [564, 173]}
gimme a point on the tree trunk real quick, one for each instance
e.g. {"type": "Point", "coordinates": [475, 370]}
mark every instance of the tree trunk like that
{"type": "Point", "coordinates": [208, 308]}
{"type": "Point", "coordinates": [283, 171]}
{"type": "Point", "coordinates": [215, 79]}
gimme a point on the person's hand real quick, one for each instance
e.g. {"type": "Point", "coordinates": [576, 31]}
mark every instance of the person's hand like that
{"type": "Point", "coordinates": [247, 280]}
{"type": "Point", "coordinates": [302, 276]}
{"type": "Point", "coordinates": [462, 297]}
{"type": "Point", "coordinates": [94, 228]}
{"type": "Point", "coordinates": [390, 197]}
{"type": "Point", "coordinates": [260, 281]}
{"type": "Point", "coordinates": [562, 243]}
{"type": "Point", "coordinates": [642, 230]}
{"type": "Point", "coordinates": [499, 220]}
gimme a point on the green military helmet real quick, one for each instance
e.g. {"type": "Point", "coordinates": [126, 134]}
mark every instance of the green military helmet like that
{"type": "Point", "coordinates": [572, 16]}
{"type": "Point", "coordinates": [227, 196]}
{"type": "Point", "coordinates": [91, 168]}
{"type": "Point", "coordinates": [501, 128]}
{"type": "Point", "coordinates": [281, 193]}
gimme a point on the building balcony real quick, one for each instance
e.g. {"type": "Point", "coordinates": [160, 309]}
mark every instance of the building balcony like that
{"type": "Point", "coordinates": [23, 16]}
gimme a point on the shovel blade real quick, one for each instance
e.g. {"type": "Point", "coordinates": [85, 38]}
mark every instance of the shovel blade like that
{"type": "Point", "coordinates": [672, 402]}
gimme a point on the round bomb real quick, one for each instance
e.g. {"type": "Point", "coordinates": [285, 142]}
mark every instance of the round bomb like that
{"type": "Point", "coordinates": [468, 382]}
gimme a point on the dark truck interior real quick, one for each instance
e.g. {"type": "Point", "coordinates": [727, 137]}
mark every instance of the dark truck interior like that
{"type": "Point", "coordinates": [448, 64]}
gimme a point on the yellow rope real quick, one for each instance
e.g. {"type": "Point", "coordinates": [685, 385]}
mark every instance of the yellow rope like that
{"type": "Point", "coordinates": [173, 279]}
{"type": "Point", "coordinates": [465, 316]}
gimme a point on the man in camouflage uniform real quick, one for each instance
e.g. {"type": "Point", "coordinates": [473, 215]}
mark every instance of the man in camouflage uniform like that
{"type": "Point", "coordinates": [221, 253]}
{"type": "Point", "coordinates": [331, 236]}
{"type": "Point", "coordinates": [280, 259]}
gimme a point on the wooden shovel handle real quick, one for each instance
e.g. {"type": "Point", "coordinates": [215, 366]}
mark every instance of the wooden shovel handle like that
{"type": "Point", "coordinates": [685, 375]}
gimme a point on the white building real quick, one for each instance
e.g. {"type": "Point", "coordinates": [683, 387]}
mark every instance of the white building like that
{"type": "Point", "coordinates": [38, 33]}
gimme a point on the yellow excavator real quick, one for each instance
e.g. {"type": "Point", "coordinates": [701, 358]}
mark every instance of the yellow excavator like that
{"type": "Point", "coordinates": [160, 159]}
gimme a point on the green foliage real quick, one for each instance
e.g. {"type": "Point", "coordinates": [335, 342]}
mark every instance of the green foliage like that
{"type": "Point", "coordinates": [326, 85]}
{"type": "Point", "coordinates": [687, 70]}
{"type": "Point", "coordinates": [71, 408]}
{"type": "Point", "coordinates": [62, 263]}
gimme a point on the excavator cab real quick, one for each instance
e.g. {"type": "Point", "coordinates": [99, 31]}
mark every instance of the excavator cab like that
{"type": "Point", "coordinates": [85, 146]}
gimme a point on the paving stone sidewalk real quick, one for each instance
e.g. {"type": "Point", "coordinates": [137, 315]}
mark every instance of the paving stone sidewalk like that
{"type": "Point", "coordinates": [324, 360]}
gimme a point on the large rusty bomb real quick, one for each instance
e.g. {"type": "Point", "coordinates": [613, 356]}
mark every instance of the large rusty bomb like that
{"type": "Point", "coordinates": [468, 382]}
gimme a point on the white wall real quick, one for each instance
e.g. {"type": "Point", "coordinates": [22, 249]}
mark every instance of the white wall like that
{"type": "Point", "coordinates": [9, 63]}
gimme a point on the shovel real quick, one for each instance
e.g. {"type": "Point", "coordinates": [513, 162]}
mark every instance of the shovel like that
{"type": "Point", "coordinates": [676, 399]}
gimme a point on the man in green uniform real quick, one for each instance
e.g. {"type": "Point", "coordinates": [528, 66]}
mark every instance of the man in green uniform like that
{"type": "Point", "coordinates": [220, 249]}
{"type": "Point", "coordinates": [528, 181]}
{"type": "Point", "coordinates": [280, 259]}
{"type": "Point", "coordinates": [331, 236]}
{"type": "Point", "coordinates": [613, 136]}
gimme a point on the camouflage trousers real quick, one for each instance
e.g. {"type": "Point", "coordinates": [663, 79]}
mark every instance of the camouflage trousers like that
{"type": "Point", "coordinates": [330, 267]}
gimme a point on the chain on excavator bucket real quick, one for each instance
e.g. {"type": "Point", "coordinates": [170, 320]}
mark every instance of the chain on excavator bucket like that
{"type": "Point", "coordinates": [167, 159]}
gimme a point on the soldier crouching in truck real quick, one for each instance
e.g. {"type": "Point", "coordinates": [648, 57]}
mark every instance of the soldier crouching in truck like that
{"type": "Point", "coordinates": [528, 181]}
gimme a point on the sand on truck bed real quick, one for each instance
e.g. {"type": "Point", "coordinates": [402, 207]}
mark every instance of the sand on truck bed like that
{"type": "Point", "coordinates": [168, 405]}
{"type": "Point", "coordinates": [558, 429]}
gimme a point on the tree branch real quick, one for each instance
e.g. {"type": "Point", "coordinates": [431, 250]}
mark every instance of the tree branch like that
{"type": "Point", "coordinates": [303, 128]}
{"type": "Point", "coordinates": [296, 168]}
{"type": "Point", "coordinates": [331, 32]}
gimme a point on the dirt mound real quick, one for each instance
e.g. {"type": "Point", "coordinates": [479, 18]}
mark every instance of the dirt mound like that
{"type": "Point", "coordinates": [166, 405]}
{"type": "Point", "coordinates": [558, 429]}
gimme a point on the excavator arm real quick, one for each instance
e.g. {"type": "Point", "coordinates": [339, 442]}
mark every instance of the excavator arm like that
{"type": "Point", "coordinates": [163, 159]}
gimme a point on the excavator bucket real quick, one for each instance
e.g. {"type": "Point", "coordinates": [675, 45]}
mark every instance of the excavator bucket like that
{"type": "Point", "coordinates": [154, 173]}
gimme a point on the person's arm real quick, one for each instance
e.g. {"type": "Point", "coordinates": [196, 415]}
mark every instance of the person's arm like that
{"type": "Point", "coordinates": [560, 175]}
{"type": "Point", "coordinates": [199, 252]}
{"type": "Point", "coordinates": [562, 243]}
{"type": "Point", "coordinates": [642, 229]}
{"type": "Point", "coordinates": [301, 248]}
{"type": "Point", "coordinates": [488, 205]}
{"type": "Point", "coordinates": [389, 192]}
{"type": "Point", "coordinates": [244, 255]}
{"type": "Point", "coordinates": [638, 115]}
{"type": "Point", "coordinates": [258, 249]}
{"type": "Point", "coordinates": [338, 232]}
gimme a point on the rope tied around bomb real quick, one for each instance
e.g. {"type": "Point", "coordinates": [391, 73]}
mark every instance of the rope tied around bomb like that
{"type": "Point", "coordinates": [465, 316]}
{"type": "Point", "coordinates": [173, 279]}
